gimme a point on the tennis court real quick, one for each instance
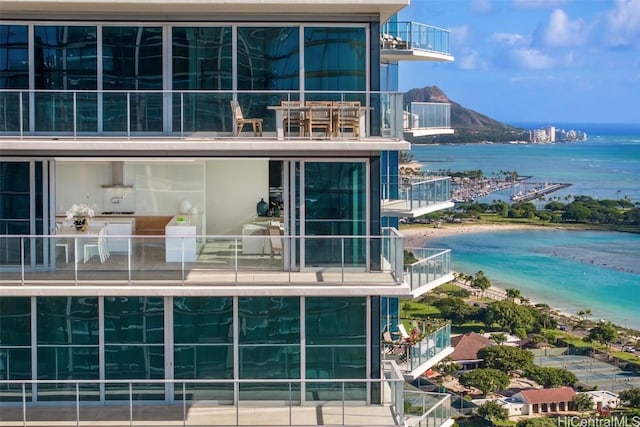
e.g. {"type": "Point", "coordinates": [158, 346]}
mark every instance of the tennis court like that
{"type": "Point", "coordinates": [592, 372]}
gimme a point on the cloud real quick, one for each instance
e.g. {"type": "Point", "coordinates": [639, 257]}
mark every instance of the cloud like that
{"type": "Point", "coordinates": [539, 4]}
{"type": "Point", "coordinates": [531, 59]}
{"type": "Point", "coordinates": [508, 39]}
{"type": "Point", "coordinates": [460, 35]}
{"type": "Point", "coordinates": [471, 60]}
{"type": "Point", "coordinates": [560, 31]}
{"type": "Point", "coordinates": [621, 26]}
{"type": "Point", "coordinates": [480, 6]}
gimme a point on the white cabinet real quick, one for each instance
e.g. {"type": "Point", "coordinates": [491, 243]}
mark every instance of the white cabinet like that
{"type": "Point", "coordinates": [180, 241]}
{"type": "Point", "coordinates": [119, 227]}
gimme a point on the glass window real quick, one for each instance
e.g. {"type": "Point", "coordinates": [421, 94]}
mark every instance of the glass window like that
{"type": "Point", "coordinates": [269, 60]}
{"type": "Point", "coordinates": [134, 345]}
{"type": "Point", "coordinates": [65, 59]}
{"type": "Point", "coordinates": [336, 346]}
{"type": "Point", "coordinates": [269, 337]}
{"type": "Point", "coordinates": [335, 200]}
{"type": "Point", "coordinates": [203, 337]}
{"type": "Point", "coordinates": [132, 61]}
{"type": "Point", "coordinates": [335, 58]}
{"type": "Point", "coordinates": [202, 59]}
{"type": "Point", "coordinates": [15, 346]}
{"type": "Point", "coordinates": [14, 74]}
{"type": "Point", "coordinates": [14, 57]}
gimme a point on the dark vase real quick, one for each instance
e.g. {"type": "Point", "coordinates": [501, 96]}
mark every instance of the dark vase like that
{"type": "Point", "coordinates": [262, 208]}
{"type": "Point", "coordinates": [80, 223]}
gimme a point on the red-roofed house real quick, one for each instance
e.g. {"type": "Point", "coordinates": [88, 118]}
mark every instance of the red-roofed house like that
{"type": "Point", "coordinates": [465, 349]}
{"type": "Point", "coordinates": [546, 399]}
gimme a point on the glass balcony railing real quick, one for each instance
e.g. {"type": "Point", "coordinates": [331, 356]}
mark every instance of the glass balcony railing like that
{"type": "Point", "coordinates": [416, 193]}
{"type": "Point", "coordinates": [425, 409]}
{"type": "Point", "coordinates": [200, 259]}
{"type": "Point", "coordinates": [412, 354]}
{"type": "Point", "coordinates": [432, 265]}
{"type": "Point", "coordinates": [427, 348]}
{"type": "Point", "coordinates": [413, 35]}
{"type": "Point", "coordinates": [189, 114]}
{"type": "Point", "coordinates": [223, 402]}
{"type": "Point", "coordinates": [427, 115]}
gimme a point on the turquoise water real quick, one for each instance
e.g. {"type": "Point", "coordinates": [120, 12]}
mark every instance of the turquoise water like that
{"type": "Point", "coordinates": [569, 270]}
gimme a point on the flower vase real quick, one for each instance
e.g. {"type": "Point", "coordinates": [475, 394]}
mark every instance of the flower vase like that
{"type": "Point", "coordinates": [80, 224]}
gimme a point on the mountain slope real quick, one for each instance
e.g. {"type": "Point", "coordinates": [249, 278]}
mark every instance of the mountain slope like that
{"type": "Point", "coordinates": [469, 125]}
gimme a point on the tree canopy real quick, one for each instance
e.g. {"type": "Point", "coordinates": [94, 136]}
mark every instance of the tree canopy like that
{"type": "Point", "coordinates": [505, 358]}
{"type": "Point", "coordinates": [550, 377]}
{"type": "Point", "coordinates": [604, 333]}
{"type": "Point", "coordinates": [493, 411]}
{"type": "Point", "coordinates": [486, 380]}
{"type": "Point", "coordinates": [631, 397]}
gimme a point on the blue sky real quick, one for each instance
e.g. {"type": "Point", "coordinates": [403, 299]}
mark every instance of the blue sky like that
{"type": "Point", "coordinates": [546, 61]}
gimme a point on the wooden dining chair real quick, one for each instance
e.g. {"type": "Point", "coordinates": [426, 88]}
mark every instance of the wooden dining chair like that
{"type": "Point", "coordinates": [346, 115]}
{"type": "Point", "coordinates": [293, 118]}
{"type": "Point", "coordinates": [319, 116]}
{"type": "Point", "coordinates": [239, 120]}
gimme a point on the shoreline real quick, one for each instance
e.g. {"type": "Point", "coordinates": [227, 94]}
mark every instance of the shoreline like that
{"type": "Point", "coordinates": [417, 236]}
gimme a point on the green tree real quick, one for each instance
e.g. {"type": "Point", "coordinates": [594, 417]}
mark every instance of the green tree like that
{"type": "Point", "coordinates": [447, 367]}
{"type": "Point", "coordinates": [454, 309]}
{"type": "Point", "coordinates": [551, 377]}
{"type": "Point", "coordinates": [505, 358]}
{"type": "Point", "coordinates": [510, 316]}
{"type": "Point", "coordinates": [582, 402]}
{"type": "Point", "coordinates": [492, 410]}
{"type": "Point", "coordinates": [481, 281]}
{"type": "Point", "coordinates": [631, 397]}
{"type": "Point", "coordinates": [486, 380]}
{"type": "Point", "coordinates": [604, 333]}
{"type": "Point", "coordinates": [513, 293]}
{"type": "Point", "coordinates": [537, 422]}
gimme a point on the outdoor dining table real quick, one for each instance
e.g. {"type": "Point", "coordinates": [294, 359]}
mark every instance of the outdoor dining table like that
{"type": "Point", "coordinates": [305, 111]}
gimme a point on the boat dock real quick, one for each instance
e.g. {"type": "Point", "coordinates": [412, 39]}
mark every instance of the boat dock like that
{"type": "Point", "coordinates": [539, 190]}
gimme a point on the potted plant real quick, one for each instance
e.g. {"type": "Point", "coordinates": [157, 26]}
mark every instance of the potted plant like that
{"type": "Point", "coordinates": [80, 214]}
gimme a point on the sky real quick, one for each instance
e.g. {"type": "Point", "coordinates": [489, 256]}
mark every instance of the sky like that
{"type": "Point", "coordinates": [535, 61]}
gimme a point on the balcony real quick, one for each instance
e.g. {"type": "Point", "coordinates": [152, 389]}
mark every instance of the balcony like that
{"type": "Point", "coordinates": [157, 118]}
{"type": "Point", "coordinates": [432, 269]}
{"type": "Point", "coordinates": [412, 41]}
{"type": "Point", "coordinates": [189, 407]}
{"type": "Point", "coordinates": [414, 358]}
{"type": "Point", "coordinates": [427, 118]}
{"type": "Point", "coordinates": [355, 264]}
{"type": "Point", "coordinates": [417, 196]}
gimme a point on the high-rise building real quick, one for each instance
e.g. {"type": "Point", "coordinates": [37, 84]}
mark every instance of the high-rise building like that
{"type": "Point", "coordinates": [241, 160]}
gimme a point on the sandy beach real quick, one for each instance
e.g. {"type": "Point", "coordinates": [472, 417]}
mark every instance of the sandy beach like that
{"type": "Point", "coordinates": [416, 236]}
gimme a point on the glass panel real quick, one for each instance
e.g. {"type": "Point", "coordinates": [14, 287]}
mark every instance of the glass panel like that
{"type": "Point", "coordinates": [72, 324]}
{"type": "Point", "coordinates": [202, 58]}
{"type": "Point", "coordinates": [15, 349]}
{"type": "Point", "coordinates": [269, 341]}
{"type": "Point", "coordinates": [335, 58]}
{"type": "Point", "coordinates": [15, 209]}
{"type": "Point", "coordinates": [269, 60]}
{"type": "Point", "coordinates": [132, 60]}
{"type": "Point", "coordinates": [335, 198]}
{"type": "Point", "coordinates": [14, 57]}
{"type": "Point", "coordinates": [65, 57]}
{"type": "Point", "coordinates": [203, 335]}
{"type": "Point", "coordinates": [134, 337]}
{"type": "Point", "coordinates": [336, 346]}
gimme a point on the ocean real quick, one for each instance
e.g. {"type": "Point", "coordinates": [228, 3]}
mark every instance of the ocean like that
{"type": "Point", "coordinates": [569, 270]}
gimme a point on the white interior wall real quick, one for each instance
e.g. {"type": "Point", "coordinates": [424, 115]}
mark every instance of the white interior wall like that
{"type": "Point", "coordinates": [234, 187]}
{"type": "Point", "coordinates": [78, 182]}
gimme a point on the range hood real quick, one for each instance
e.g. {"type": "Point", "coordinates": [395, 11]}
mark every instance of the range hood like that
{"type": "Point", "coordinates": [117, 176]}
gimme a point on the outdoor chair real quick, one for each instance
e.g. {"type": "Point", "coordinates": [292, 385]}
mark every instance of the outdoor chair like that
{"type": "Point", "coordinates": [276, 243]}
{"type": "Point", "coordinates": [97, 246]}
{"type": "Point", "coordinates": [239, 120]}
{"type": "Point", "coordinates": [320, 117]}
{"type": "Point", "coordinates": [347, 117]}
{"type": "Point", "coordinates": [294, 118]}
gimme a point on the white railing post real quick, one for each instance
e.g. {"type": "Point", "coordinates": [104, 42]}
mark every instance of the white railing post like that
{"type": "Point", "coordinates": [22, 260]}
{"type": "Point", "coordinates": [24, 405]}
{"type": "Point", "coordinates": [77, 405]}
{"type": "Point", "coordinates": [75, 114]}
{"type": "Point", "coordinates": [130, 404]}
{"type": "Point", "coordinates": [342, 255]}
{"type": "Point", "coordinates": [184, 404]}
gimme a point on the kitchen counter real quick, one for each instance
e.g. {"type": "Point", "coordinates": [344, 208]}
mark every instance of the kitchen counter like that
{"type": "Point", "coordinates": [180, 240]}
